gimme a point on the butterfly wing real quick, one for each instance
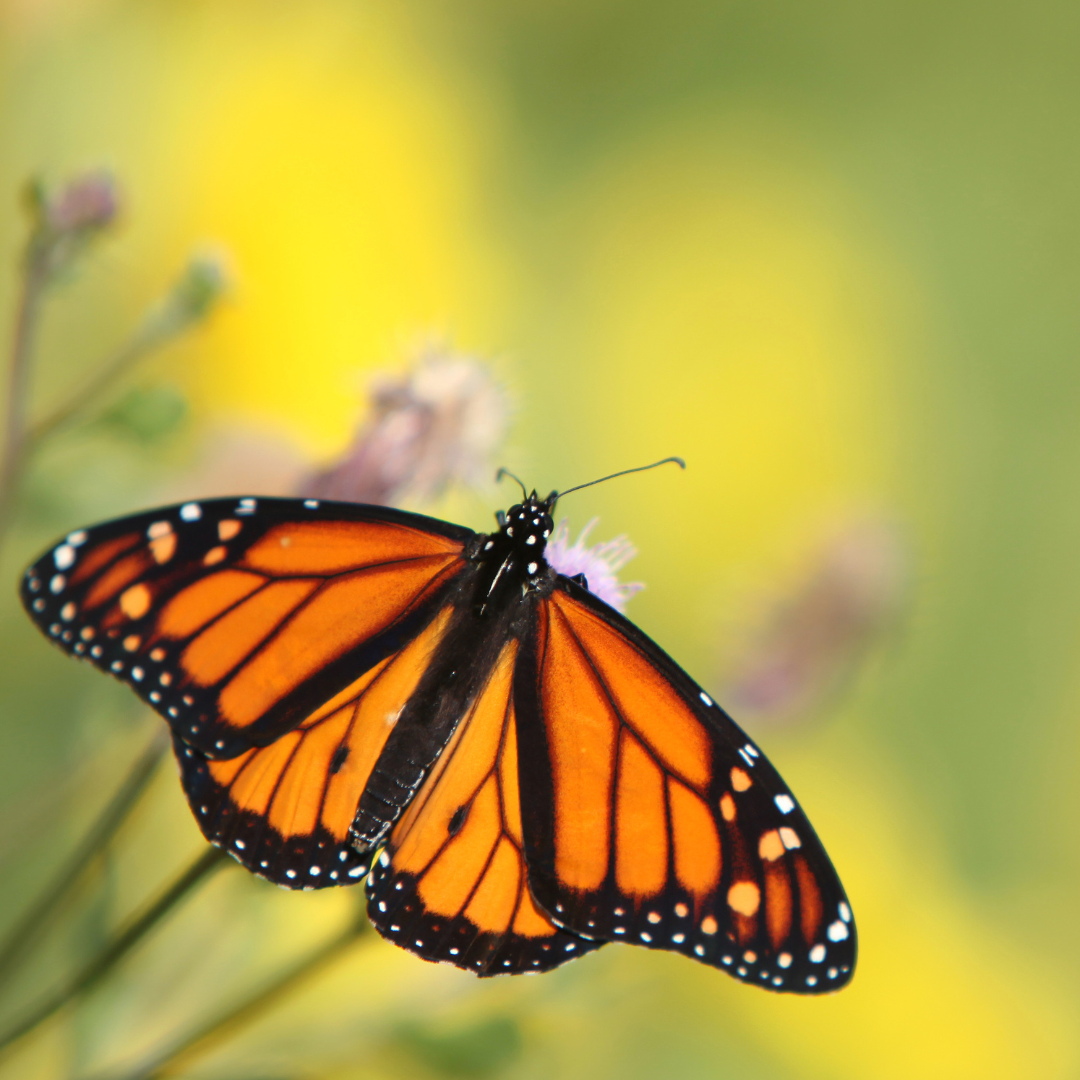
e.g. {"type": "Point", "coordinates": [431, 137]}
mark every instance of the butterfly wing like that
{"type": "Point", "coordinates": [649, 817]}
{"type": "Point", "coordinates": [450, 884]}
{"type": "Point", "coordinates": [238, 619]}
{"type": "Point", "coordinates": [286, 811]}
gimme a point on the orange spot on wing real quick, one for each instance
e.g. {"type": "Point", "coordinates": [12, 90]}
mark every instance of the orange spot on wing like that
{"type": "Point", "coordinates": [119, 575]}
{"type": "Point", "coordinates": [196, 605]}
{"type": "Point", "coordinates": [163, 548]}
{"type": "Point", "coordinates": [216, 651]}
{"type": "Point", "coordinates": [697, 844]}
{"type": "Point", "coordinates": [744, 897]}
{"type": "Point", "coordinates": [342, 615]}
{"type": "Point", "coordinates": [739, 780]}
{"type": "Point", "coordinates": [215, 555]}
{"type": "Point", "coordinates": [640, 822]}
{"type": "Point", "coordinates": [228, 528]}
{"type": "Point", "coordinates": [770, 846]}
{"type": "Point", "coordinates": [643, 696]}
{"type": "Point", "coordinates": [334, 547]}
{"type": "Point", "coordinates": [727, 807]}
{"type": "Point", "coordinates": [135, 602]}
{"type": "Point", "coordinates": [95, 558]}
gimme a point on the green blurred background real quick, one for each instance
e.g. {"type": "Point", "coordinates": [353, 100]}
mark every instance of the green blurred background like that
{"type": "Point", "coordinates": [829, 252]}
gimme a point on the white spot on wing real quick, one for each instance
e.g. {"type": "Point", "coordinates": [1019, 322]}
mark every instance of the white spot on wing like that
{"type": "Point", "coordinates": [64, 557]}
{"type": "Point", "coordinates": [837, 931]}
{"type": "Point", "coordinates": [784, 803]}
{"type": "Point", "coordinates": [191, 512]}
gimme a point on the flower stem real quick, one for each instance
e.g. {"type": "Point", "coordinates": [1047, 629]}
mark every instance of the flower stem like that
{"type": "Point", "coordinates": [46, 906]}
{"type": "Point", "coordinates": [122, 943]}
{"type": "Point", "coordinates": [34, 281]}
{"type": "Point", "coordinates": [191, 298]}
{"type": "Point", "coordinates": [227, 1023]}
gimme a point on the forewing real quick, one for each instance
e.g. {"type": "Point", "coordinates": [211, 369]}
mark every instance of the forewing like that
{"type": "Point", "coordinates": [450, 885]}
{"type": "Point", "coordinates": [237, 618]}
{"type": "Point", "coordinates": [650, 817]}
{"type": "Point", "coordinates": [286, 810]}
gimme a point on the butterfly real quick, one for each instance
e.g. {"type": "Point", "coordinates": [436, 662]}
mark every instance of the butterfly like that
{"type": "Point", "coordinates": [519, 772]}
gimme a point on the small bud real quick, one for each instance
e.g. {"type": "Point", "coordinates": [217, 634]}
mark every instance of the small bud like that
{"type": "Point", "coordinates": [435, 425]}
{"type": "Point", "coordinates": [600, 563]}
{"type": "Point", "coordinates": [200, 286]}
{"type": "Point", "coordinates": [65, 221]}
{"type": "Point", "coordinates": [87, 203]}
{"type": "Point", "coordinates": [814, 637]}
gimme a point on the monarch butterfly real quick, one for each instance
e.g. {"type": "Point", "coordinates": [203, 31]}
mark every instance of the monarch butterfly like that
{"type": "Point", "coordinates": [521, 774]}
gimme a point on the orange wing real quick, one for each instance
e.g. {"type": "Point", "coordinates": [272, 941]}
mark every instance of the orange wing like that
{"type": "Point", "coordinates": [451, 884]}
{"type": "Point", "coordinates": [238, 619]}
{"type": "Point", "coordinates": [285, 810]}
{"type": "Point", "coordinates": [651, 818]}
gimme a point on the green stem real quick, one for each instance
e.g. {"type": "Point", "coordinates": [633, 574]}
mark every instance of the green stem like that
{"type": "Point", "coordinates": [211, 859]}
{"type": "Point", "coordinates": [35, 278]}
{"type": "Point", "coordinates": [223, 1026]}
{"type": "Point", "coordinates": [49, 903]}
{"type": "Point", "coordinates": [126, 357]}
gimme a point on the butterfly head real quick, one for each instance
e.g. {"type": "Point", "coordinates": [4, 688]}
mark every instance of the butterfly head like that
{"type": "Point", "coordinates": [512, 559]}
{"type": "Point", "coordinates": [529, 524]}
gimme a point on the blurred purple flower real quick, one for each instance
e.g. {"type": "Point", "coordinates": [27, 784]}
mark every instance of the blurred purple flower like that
{"type": "Point", "coordinates": [434, 425]}
{"type": "Point", "coordinates": [598, 563]}
{"type": "Point", "coordinates": [813, 638]}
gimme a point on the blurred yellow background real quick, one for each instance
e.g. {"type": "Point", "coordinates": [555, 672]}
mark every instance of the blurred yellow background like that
{"type": "Point", "coordinates": [829, 253]}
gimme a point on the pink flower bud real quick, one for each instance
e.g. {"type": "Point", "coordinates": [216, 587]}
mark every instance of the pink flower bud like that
{"type": "Point", "coordinates": [88, 202]}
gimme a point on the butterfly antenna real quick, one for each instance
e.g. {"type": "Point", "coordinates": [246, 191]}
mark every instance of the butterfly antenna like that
{"type": "Point", "coordinates": [506, 472]}
{"type": "Point", "coordinates": [640, 468]}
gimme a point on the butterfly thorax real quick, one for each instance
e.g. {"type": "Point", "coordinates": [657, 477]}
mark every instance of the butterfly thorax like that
{"type": "Point", "coordinates": [512, 559]}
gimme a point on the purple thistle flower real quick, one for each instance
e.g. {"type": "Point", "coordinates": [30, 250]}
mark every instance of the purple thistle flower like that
{"type": "Point", "coordinates": [598, 563]}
